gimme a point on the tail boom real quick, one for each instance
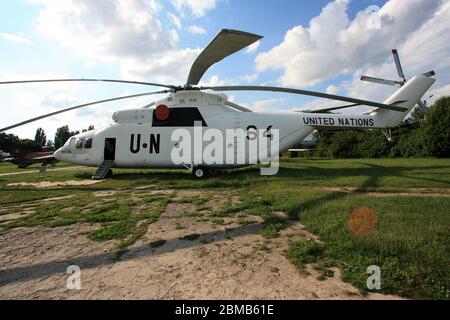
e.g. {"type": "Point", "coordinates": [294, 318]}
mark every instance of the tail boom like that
{"type": "Point", "coordinates": [406, 97]}
{"type": "Point", "coordinates": [411, 93]}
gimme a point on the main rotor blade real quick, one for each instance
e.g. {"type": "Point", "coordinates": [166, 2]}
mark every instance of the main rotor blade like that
{"type": "Point", "coordinates": [224, 44]}
{"type": "Point", "coordinates": [326, 110]}
{"type": "Point", "coordinates": [78, 107]}
{"type": "Point", "coordinates": [91, 80]}
{"type": "Point", "coordinates": [148, 106]}
{"type": "Point", "coordinates": [237, 107]}
{"type": "Point", "coordinates": [380, 81]}
{"type": "Point", "coordinates": [398, 65]}
{"type": "Point", "coordinates": [306, 93]}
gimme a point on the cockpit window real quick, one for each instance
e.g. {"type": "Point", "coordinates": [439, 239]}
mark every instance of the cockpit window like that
{"type": "Point", "coordinates": [79, 143]}
{"type": "Point", "coordinates": [71, 143]}
{"type": "Point", "coordinates": [88, 144]}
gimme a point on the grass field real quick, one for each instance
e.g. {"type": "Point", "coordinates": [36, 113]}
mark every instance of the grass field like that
{"type": "Point", "coordinates": [408, 201]}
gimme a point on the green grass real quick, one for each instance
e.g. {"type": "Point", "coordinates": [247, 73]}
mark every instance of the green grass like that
{"type": "Point", "coordinates": [117, 217]}
{"type": "Point", "coordinates": [410, 243]}
{"type": "Point", "coordinates": [195, 200]}
{"type": "Point", "coordinates": [272, 226]}
{"type": "Point", "coordinates": [304, 252]}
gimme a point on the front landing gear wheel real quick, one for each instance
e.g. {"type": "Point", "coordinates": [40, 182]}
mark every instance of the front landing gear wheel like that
{"type": "Point", "coordinates": [199, 172]}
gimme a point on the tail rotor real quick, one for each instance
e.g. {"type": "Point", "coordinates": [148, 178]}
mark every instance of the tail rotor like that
{"type": "Point", "coordinates": [402, 81]}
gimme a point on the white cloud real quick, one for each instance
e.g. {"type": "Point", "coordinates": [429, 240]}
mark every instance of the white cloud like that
{"type": "Point", "coordinates": [250, 78]}
{"type": "Point", "coordinates": [253, 47]}
{"type": "Point", "coordinates": [332, 89]}
{"type": "Point", "coordinates": [418, 30]}
{"type": "Point", "coordinates": [122, 32]}
{"type": "Point", "coordinates": [175, 20]}
{"type": "Point", "coordinates": [16, 38]}
{"type": "Point", "coordinates": [196, 29]}
{"type": "Point", "coordinates": [39, 99]}
{"type": "Point", "coordinates": [105, 29]}
{"type": "Point", "coordinates": [267, 105]}
{"type": "Point", "coordinates": [424, 49]}
{"type": "Point", "coordinates": [199, 8]}
{"type": "Point", "coordinates": [172, 67]}
{"type": "Point", "coordinates": [435, 94]}
{"type": "Point", "coordinates": [333, 45]}
{"type": "Point", "coordinates": [213, 81]}
{"type": "Point", "coordinates": [36, 100]}
{"type": "Point", "coordinates": [368, 90]}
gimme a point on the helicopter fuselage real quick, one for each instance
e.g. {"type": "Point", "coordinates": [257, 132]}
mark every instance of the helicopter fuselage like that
{"type": "Point", "coordinates": [148, 146]}
{"type": "Point", "coordinates": [138, 139]}
{"type": "Point", "coordinates": [152, 138]}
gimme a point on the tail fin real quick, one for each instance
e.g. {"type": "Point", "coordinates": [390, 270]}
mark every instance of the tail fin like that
{"type": "Point", "coordinates": [406, 97]}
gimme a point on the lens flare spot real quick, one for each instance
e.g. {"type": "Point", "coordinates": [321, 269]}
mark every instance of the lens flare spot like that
{"type": "Point", "coordinates": [362, 222]}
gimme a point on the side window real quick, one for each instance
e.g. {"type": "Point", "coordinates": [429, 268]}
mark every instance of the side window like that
{"type": "Point", "coordinates": [88, 144]}
{"type": "Point", "coordinates": [180, 117]}
{"type": "Point", "coordinates": [79, 144]}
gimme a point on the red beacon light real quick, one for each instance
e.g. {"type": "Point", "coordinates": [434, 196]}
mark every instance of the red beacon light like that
{"type": "Point", "coordinates": [162, 112]}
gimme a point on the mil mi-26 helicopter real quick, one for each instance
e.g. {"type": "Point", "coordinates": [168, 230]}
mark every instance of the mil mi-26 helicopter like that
{"type": "Point", "coordinates": [143, 138]}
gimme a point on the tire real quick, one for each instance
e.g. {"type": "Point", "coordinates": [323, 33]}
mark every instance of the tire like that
{"type": "Point", "coordinates": [199, 172]}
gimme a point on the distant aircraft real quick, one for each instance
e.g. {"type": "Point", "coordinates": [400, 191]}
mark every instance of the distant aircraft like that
{"type": "Point", "coordinates": [4, 155]}
{"type": "Point", "coordinates": [24, 159]}
{"type": "Point", "coordinates": [307, 146]}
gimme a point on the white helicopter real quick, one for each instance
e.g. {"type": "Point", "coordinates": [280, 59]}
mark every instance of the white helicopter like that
{"type": "Point", "coordinates": [142, 138]}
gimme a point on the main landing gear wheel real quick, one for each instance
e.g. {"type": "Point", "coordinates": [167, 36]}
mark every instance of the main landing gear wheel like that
{"type": "Point", "coordinates": [199, 172]}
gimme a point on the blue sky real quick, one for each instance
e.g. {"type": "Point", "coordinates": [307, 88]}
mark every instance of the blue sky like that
{"type": "Point", "coordinates": [319, 45]}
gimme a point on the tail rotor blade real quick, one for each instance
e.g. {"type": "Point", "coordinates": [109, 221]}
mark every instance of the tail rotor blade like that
{"type": "Point", "coordinates": [429, 73]}
{"type": "Point", "coordinates": [398, 65]}
{"type": "Point", "coordinates": [380, 81]}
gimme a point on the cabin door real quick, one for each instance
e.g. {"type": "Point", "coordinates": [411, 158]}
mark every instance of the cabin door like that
{"type": "Point", "coordinates": [110, 149]}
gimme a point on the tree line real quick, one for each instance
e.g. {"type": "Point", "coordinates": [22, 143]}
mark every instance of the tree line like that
{"type": "Point", "coordinates": [12, 143]}
{"type": "Point", "coordinates": [418, 136]}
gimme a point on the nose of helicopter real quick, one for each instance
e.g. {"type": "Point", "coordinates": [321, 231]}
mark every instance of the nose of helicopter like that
{"type": "Point", "coordinates": [58, 154]}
